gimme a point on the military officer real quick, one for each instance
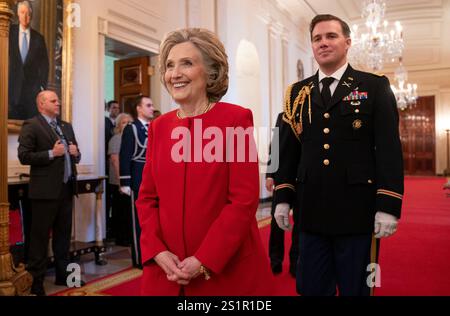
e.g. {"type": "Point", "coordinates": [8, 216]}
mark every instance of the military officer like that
{"type": "Point", "coordinates": [341, 157]}
{"type": "Point", "coordinates": [131, 161]}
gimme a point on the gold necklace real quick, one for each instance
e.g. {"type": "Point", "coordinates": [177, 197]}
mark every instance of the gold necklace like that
{"type": "Point", "coordinates": [207, 108]}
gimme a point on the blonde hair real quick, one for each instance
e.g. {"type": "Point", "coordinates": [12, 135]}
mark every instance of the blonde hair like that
{"type": "Point", "coordinates": [214, 57]}
{"type": "Point", "coordinates": [119, 119]}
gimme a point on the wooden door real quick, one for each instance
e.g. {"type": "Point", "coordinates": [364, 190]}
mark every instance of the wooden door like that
{"type": "Point", "coordinates": [131, 79]}
{"type": "Point", "coordinates": [417, 132]}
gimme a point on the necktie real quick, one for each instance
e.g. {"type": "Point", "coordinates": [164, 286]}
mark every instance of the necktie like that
{"type": "Point", "coordinates": [67, 161]}
{"type": "Point", "coordinates": [24, 51]}
{"type": "Point", "coordinates": [326, 92]}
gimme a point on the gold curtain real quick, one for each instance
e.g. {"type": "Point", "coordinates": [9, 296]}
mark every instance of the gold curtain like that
{"type": "Point", "coordinates": [47, 29]}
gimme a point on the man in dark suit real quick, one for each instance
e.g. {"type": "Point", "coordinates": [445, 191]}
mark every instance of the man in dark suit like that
{"type": "Point", "coordinates": [49, 146]}
{"type": "Point", "coordinates": [276, 238]}
{"type": "Point", "coordinates": [113, 109]}
{"type": "Point", "coordinates": [132, 155]}
{"type": "Point", "coordinates": [341, 157]}
{"type": "Point", "coordinates": [28, 65]}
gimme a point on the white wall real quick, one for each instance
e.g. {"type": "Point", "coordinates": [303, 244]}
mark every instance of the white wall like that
{"type": "Point", "coordinates": [266, 28]}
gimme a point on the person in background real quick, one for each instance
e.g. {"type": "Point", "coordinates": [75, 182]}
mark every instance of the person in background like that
{"type": "Point", "coordinates": [49, 146]}
{"type": "Point", "coordinates": [156, 114]}
{"type": "Point", "coordinates": [276, 238]}
{"type": "Point", "coordinates": [113, 109]}
{"type": "Point", "coordinates": [120, 210]}
{"type": "Point", "coordinates": [199, 229]}
{"type": "Point", "coordinates": [131, 160]}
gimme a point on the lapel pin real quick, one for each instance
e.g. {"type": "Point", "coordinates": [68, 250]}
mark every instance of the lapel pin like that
{"type": "Point", "coordinates": [346, 84]}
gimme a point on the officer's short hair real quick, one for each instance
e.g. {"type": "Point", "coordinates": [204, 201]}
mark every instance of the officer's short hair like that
{"type": "Point", "coordinates": [214, 57]}
{"type": "Point", "coordinates": [328, 17]}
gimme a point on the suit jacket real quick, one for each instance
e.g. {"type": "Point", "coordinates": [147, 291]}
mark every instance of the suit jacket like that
{"type": "Point", "coordinates": [27, 79]}
{"type": "Point", "coordinates": [130, 168]}
{"type": "Point", "coordinates": [344, 162]}
{"type": "Point", "coordinates": [109, 132]}
{"type": "Point", "coordinates": [277, 125]}
{"type": "Point", "coordinates": [46, 175]}
{"type": "Point", "coordinates": [202, 209]}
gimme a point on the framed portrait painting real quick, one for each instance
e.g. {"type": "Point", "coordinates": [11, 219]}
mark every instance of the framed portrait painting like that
{"type": "Point", "coordinates": [40, 58]}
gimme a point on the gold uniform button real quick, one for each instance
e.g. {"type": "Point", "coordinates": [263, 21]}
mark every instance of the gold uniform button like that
{"type": "Point", "coordinates": [356, 111]}
{"type": "Point", "coordinates": [326, 115]}
{"type": "Point", "coordinates": [326, 162]}
{"type": "Point", "coordinates": [326, 131]}
{"type": "Point", "coordinates": [370, 181]}
{"type": "Point", "coordinates": [326, 146]}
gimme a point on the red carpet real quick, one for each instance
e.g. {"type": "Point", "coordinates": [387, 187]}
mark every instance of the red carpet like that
{"type": "Point", "coordinates": [413, 262]}
{"type": "Point", "coordinates": [130, 288]}
{"type": "Point", "coordinates": [15, 228]}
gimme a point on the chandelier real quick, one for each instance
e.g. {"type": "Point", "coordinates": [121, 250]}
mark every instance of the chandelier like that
{"type": "Point", "coordinates": [405, 94]}
{"type": "Point", "coordinates": [371, 49]}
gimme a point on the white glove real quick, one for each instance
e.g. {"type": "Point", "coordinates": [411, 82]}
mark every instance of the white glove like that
{"type": "Point", "coordinates": [126, 190]}
{"type": "Point", "coordinates": [385, 224]}
{"type": "Point", "coordinates": [282, 216]}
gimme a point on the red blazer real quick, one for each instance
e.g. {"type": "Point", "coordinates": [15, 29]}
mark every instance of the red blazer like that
{"type": "Point", "coordinates": [202, 209]}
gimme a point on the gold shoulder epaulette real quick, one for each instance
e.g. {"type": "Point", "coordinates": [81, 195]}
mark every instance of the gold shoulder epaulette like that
{"type": "Point", "coordinates": [290, 109]}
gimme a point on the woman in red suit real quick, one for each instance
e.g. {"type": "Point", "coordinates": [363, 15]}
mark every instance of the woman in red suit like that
{"type": "Point", "coordinates": [200, 186]}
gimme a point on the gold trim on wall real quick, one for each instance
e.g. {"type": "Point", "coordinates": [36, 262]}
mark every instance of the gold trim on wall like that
{"type": "Point", "coordinates": [14, 126]}
{"type": "Point", "coordinates": [67, 75]}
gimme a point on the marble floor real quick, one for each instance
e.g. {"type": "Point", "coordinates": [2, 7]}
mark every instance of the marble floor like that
{"type": "Point", "coordinates": [118, 259]}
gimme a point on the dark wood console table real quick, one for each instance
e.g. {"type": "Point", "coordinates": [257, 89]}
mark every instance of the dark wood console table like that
{"type": "Point", "coordinates": [18, 198]}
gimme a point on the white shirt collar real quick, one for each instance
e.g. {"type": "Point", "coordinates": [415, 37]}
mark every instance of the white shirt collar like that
{"type": "Point", "coordinates": [337, 75]}
{"type": "Point", "coordinates": [49, 119]}
{"type": "Point", "coordinates": [21, 30]}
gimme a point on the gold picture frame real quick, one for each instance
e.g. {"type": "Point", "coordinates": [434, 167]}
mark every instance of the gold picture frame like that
{"type": "Point", "coordinates": [64, 87]}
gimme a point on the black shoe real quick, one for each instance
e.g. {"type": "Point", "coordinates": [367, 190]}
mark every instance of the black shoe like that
{"type": "Point", "coordinates": [37, 288]}
{"type": "Point", "coordinates": [101, 262]}
{"type": "Point", "coordinates": [276, 268]}
{"type": "Point", "coordinates": [137, 266]}
{"type": "Point", "coordinates": [293, 270]}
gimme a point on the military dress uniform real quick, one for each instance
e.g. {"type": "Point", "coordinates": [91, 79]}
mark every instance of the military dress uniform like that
{"type": "Point", "coordinates": [132, 160]}
{"type": "Point", "coordinates": [343, 162]}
